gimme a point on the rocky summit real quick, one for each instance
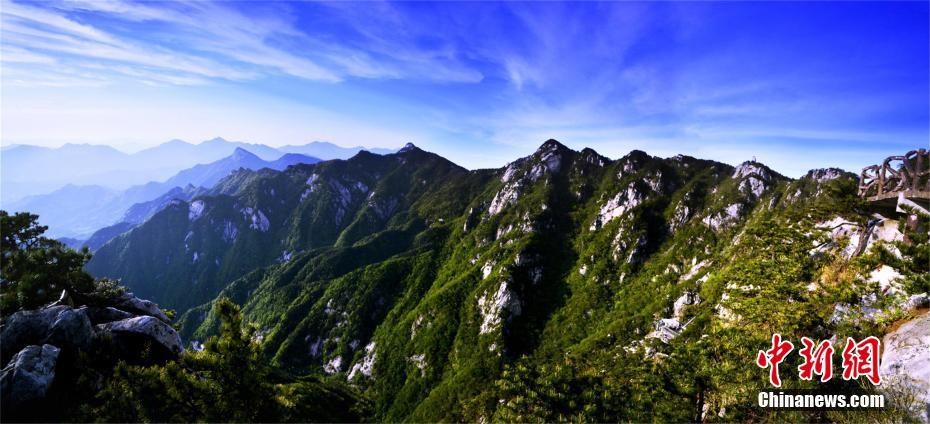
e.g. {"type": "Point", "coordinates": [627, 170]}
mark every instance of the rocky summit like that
{"type": "Point", "coordinates": [642, 287]}
{"type": "Point", "coordinates": [44, 348]}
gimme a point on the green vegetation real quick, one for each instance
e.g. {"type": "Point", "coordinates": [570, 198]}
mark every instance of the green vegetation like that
{"type": "Point", "coordinates": [228, 381]}
{"type": "Point", "coordinates": [37, 269]}
{"type": "Point", "coordinates": [532, 293]}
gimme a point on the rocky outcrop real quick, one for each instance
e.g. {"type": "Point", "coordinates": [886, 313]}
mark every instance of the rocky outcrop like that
{"type": "Point", "coordinates": [100, 315]}
{"type": "Point", "coordinates": [130, 333]}
{"type": "Point", "coordinates": [37, 343]}
{"type": "Point", "coordinates": [60, 325]}
{"type": "Point", "coordinates": [28, 376]}
{"type": "Point", "coordinates": [129, 303]}
{"type": "Point", "coordinates": [666, 329]}
{"type": "Point", "coordinates": [905, 365]}
{"type": "Point", "coordinates": [497, 307]}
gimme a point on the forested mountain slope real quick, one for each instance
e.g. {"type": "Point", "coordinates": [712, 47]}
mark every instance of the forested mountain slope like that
{"type": "Point", "coordinates": [583, 288]}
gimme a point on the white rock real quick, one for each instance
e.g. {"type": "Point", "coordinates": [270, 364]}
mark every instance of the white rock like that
{"type": "Point", "coordinates": [364, 366]}
{"type": "Point", "coordinates": [750, 168]}
{"type": "Point", "coordinates": [419, 361]}
{"type": "Point", "coordinates": [665, 330]}
{"type": "Point", "coordinates": [886, 277]}
{"type": "Point", "coordinates": [151, 327]}
{"type": "Point", "coordinates": [617, 206]}
{"type": "Point", "coordinates": [906, 361]}
{"type": "Point", "coordinates": [195, 210]}
{"type": "Point", "coordinates": [130, 303]}
{"type": "Point", "coordinates": [486, 269]}
{"type": "Point", "coordinates": [695, 269]}
{"type": "Point", "coordinates": [824, 175]}
{"type": "Point", "coordinates": [910, 205]}
{"type": "Point", "coordinates": [333, 366]}
{"type": "Point", "coordinates": [507, 196]}
{"type": "Point", "coordinates": [510, 171]}
{"type": "Point", "coordinates": [753, 186]}
{"type": "Point", "coordinates": [29, 375]}
{"type": "Point", "coordinates": [720, 219]}
{"type": "Point", "coordinates": [838, 227]}
{"type": "Point", "coordinates": [492, 307]}
{"type": "Point", "coordinates": [685, 300]}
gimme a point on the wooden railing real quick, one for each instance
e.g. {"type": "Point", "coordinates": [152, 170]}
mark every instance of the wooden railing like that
{"type": "Point", "coordinates": [907, 173]}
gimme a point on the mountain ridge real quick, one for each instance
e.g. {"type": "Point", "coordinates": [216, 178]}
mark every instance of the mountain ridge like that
{"type": "Point", "coordinates": [421, 281]}
{"type": "Point", "coordinates": [31, 170]}
{"type": "Point", "coordinates": [81, 210]}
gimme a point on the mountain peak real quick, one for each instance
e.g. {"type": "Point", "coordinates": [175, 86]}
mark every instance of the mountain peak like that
{"type": "Point", "coordinates": [551, 145]}
{"type": "Point", "coordinates": [407, 147]}
{"type": "Point", "coordinates": [750, 167]}
{"type": "Point", "coordinates": [241, 154]}
{"type": "Point", "coordinates": [216, 140]}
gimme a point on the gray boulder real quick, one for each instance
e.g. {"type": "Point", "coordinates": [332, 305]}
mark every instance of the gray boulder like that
{"type": "Point", "coordinates": [103, 315]}
{"type": "Point", "coordinates": [666, 329]}
{"type": "Point", "coordinates": [58, 325]}
{"type": "Point", "coordinates": [905, 366]}
{"type": "Point", "coordinates": [28, 376]}
{"type": "Point", "coordinates": [71, 328]}
{"type": "Point", "coordinates": [133, 335]}
{"type": "Point", "coordinates": [130, 303]}
{"type": "Point", "coordinates": [918, 301]}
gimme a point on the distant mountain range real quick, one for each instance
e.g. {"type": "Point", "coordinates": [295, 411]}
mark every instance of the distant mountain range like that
{"type": "Point", "coordinates": [30, 170]}
{"type": "Point", "coordinates": [77, 211]}
{"type": "Point", "coordinates": [327, 151]}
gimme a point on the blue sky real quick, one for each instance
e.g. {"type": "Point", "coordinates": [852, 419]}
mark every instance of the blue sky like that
{"type": "Point", "coordinates": [797, 85]}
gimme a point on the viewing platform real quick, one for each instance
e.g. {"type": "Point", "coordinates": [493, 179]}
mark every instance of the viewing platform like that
{"type": "Point", "coordinates": [897, 180]}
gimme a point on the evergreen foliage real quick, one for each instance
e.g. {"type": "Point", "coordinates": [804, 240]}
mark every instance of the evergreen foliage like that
{"type": "Point", "coordinates": [36, 269]}
{"type": "Point", "coordinates": [525, 293]}
{"type": "Point", "coordinates": [228, 381]}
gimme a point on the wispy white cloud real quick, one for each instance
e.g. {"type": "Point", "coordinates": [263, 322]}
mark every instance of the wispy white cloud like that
{"type": "Point", "coordinates": [218, 41]}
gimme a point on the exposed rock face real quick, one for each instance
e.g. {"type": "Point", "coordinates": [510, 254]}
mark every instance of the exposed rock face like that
{"type": "Point", "coordinates": [918, 301]}
{"type": "Point", "coordinates": [258, 220]}
{"type": "Point", "coordinates": [28, 376]}
{"type": "Point", "coordinates": [724, 217]}
{"type": "Point", "coordinates": [333, 366]}
{"type": "Point", "coordinates": [687, 299]}
{"type": "Point", "coordinates": [195, 210]}
{"type": "Point", "coordinates": [617, 206]}
{"type": "Point", "coordinates": [137, 328]}
{"type": "Point", "coordinates": [823, 175]}
{"type": "Point", "coordinates": [906, 361]}
{"type": "Point", "coordinates": [128, 302]}
{"type": "Point", "coordinates": [492, 307]}
{"type": "Point", "coordinates": [61, 325]}
{"type": "Point", "coordinates": [71, 328]}
{"type": "Point", "coordinates": [666, 329]}
{"type": "Point", "coordinates": [126, 332]}
{"type": "Point", "coordinates": [108, 314]}
{"type": "Point", "coordinates": [364, 366]}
